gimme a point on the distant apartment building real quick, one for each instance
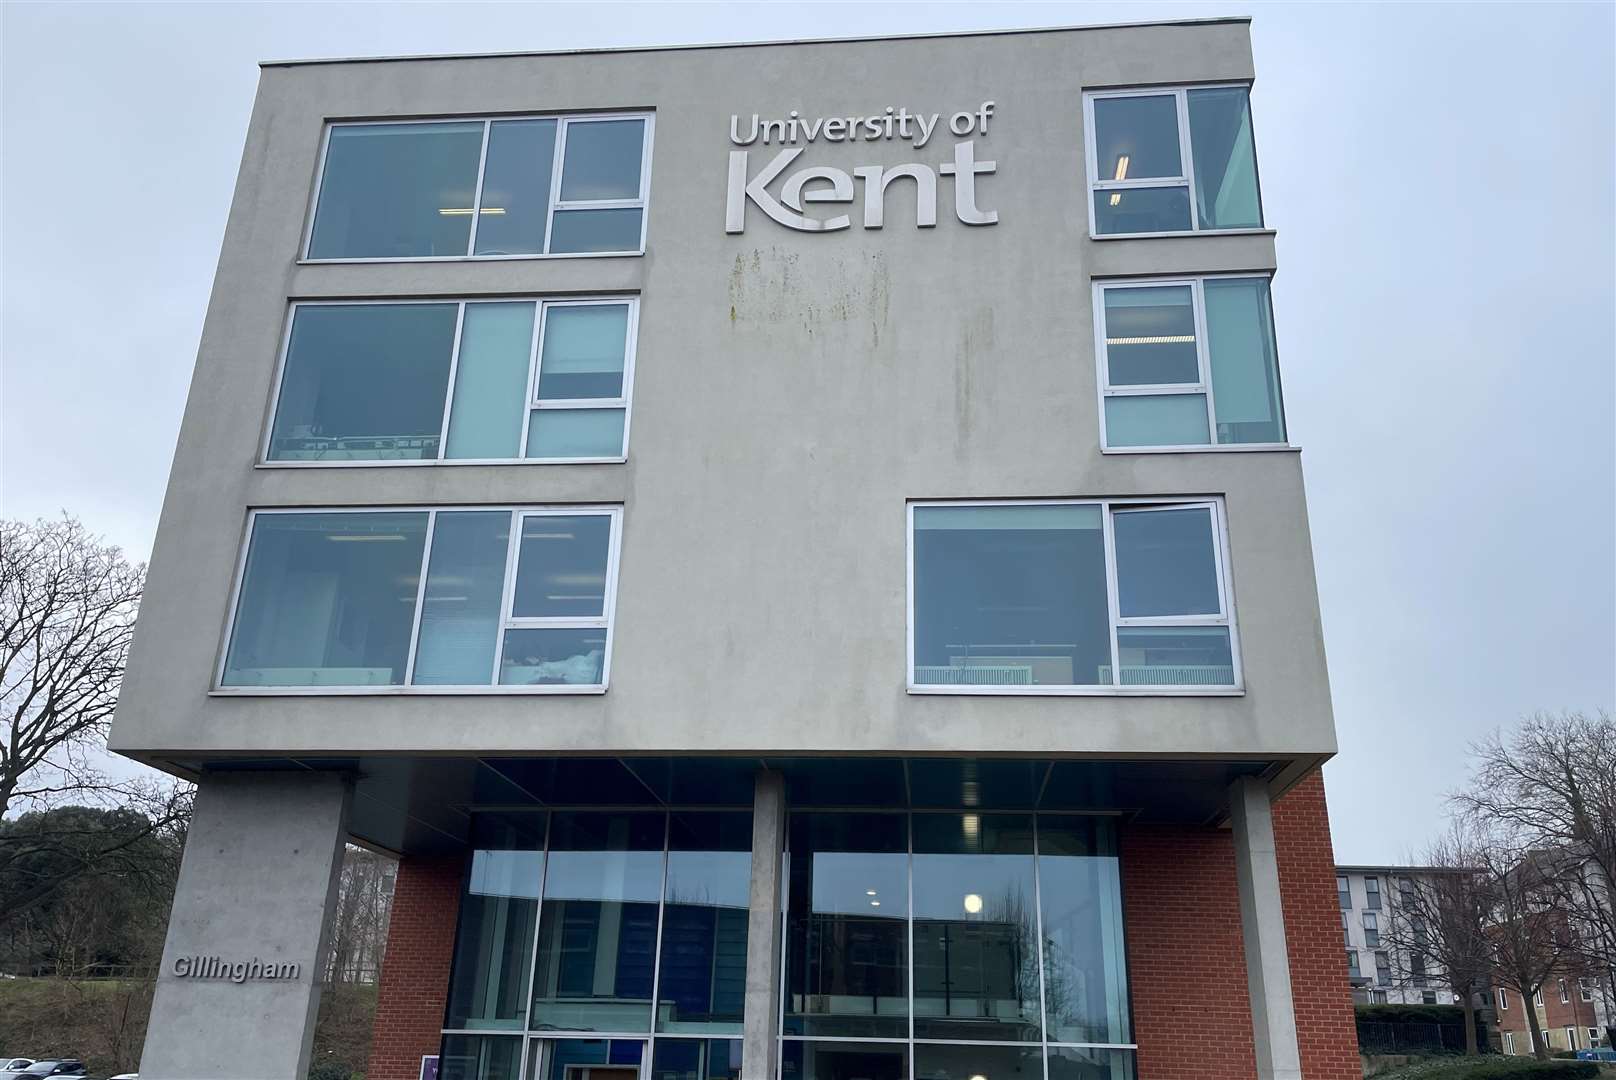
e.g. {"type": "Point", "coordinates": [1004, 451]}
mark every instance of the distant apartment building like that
{"type": "Point", "coordinates": [1382, 966]}
{"type": "Point", "coordinates": [1573, 1013]}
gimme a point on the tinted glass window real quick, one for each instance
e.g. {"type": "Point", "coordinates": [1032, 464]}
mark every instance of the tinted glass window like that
{"type": "Point", "coordinates": [1136, 138]}
{"type": "Point", "coordinates": [397, 191]}
{"type": "Point", "coordinates": [1166, 562]}
{"type": "Point", "coordinates": [496, 347]}
{"type": "Point", "coordinates": [583, 351]}
{"type": "Point", "coordinates": [499, 905]}
{"type": "Point", "coordinates": [364, 381]}
{"type": "Point", "coordinates": [703, 973]}
{"type": "Point", "coordinates": [1245, 362]}
{"type": "Point", "coordinates": [561, 566]}
{"type": "Point", "coordinates": [1225, 161]}
{"type": "Point", "coordinates": [1085, 973]}
{"type": "Point", "coordinates": [603, 160]}
{"type": "Point", "coordinates": [516, 187]}
{"type": "Point", "coordinates": [465, 586]}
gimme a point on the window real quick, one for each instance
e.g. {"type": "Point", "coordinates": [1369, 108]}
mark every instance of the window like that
{"type": "Point", "coordinates": [974, 943]}
{"type": "Point", "coordinates": [1405, 891]}
{"type": "Point", "coordinates": [555, 185]}
{"type": "Point", "coordinates": [1343, 894]}
{"type": "Point", "coordinates": [1593, 1036]}
{"type": "Point", "coordinates": [1416, 968]}
{"type": "Point", "coordinates": [1571, 1038]}
{"type": "Point", "coordinates": [461, 382]}
{"type": "Point", "coordinates": [1509, 1041]}
{"type": "Point", "coordinates": [1188, 362]}
{"type": "Point", "coordinates": [1372, 893]}
{"type": "Point", "coordinates": [1352, 964]}
{"type": "Point", "coordinates": [425, 600]}
{"type": "Point", "coordinates": [1070, 597]}
{"type": "Point", "coordinates": [1383, 969]}
{"type": "Point", "coordinates": [1346, 930]}
{"type": "Point", "coordinates": [1585, 988]}
{"type": "Point", "coordinates": [1537, 997]}
{"type": "Point", "coordinates": [1171, 161]}
{"type": "Point", "coordinates": [1503, 1000]}
{"type": "Point", "coordinates": [1371, 929]}
{"type": "Point", "coordinates": [1428, 997]}
{"type": "Point", "coordinates": [1565, 993]}
{"type": "Point", "coordinates": [571, 902]}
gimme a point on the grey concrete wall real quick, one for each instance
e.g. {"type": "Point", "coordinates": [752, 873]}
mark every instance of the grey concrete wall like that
{"type": "Point", "coordinates": [257, 882]}
{"type": "Point", "coordinates": [793, 391]}
{"type": "Point", "coordinates": [1262, 927]}
{"type": "Point", "coordinates": [760, 1047]}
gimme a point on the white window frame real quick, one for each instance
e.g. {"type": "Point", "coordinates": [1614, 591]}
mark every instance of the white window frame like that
{"type": "Point", "coordinates": [518, 513]}
{"type": "Point", "coordinates": [1509, 1043]}
{"type": "Point", "coordinates": [1503, 1000]}
{"type": "Point", "coordinates": [563, 121]}
{"type": "Point", "coordinates": [1565, 993]}
{"type": "Point", "coordinates": [1371, 925]}
{"type": "Point", "coordinates": [542, 306]}
{"type": "Point", "coordinates": [1571, 1038]}
{"type": "Point", "coordinates": [1108, 508]}
{"type": "Point", "coordinates": [1203, 357]}
{"type": "Point", "coordinates": [1186, 159]}
{"type": "Point", "coordinates": [1585, 989]}
{"type": "Point", "coordinates": [1537, 998]}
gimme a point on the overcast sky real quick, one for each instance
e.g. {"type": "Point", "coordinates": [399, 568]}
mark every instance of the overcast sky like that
{"type": "Point", "coordinates": [1440, 176]}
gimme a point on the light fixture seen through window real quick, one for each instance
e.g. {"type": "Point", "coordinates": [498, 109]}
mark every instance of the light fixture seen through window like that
{"type": "Point", "coordinates": [973, 904]}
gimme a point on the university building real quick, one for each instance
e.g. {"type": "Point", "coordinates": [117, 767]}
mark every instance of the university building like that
{"type": "Point", "coordinates": [796, 549]}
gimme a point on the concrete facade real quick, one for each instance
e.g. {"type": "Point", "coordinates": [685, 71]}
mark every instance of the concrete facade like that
{"type": "Point", "coordinates": [794, 394]}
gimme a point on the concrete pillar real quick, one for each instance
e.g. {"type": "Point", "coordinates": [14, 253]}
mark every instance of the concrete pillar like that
{"type": "Point", "coordinates": [239, 988]}
{"type": "Point", "coordinates": [761, 1044]}
{"type": "Point", "coordinates": [1262, 924]}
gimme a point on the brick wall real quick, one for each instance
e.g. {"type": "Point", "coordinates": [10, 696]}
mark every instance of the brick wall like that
{"type": "Point", "coordinates": [1192, 1016]}
{"type": "Point", "coordinates": [415, 968]}
{"type": "Point", "coordinates": [1326, 1033]}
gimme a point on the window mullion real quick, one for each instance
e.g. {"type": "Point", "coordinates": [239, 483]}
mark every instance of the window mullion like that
{"type": "Point", "coordinates": [511, 558]}
{"type": "Point", "coordinates": [448, 391]}
{"type": "Point", "coordinates": [420, 596]}
{"type": "Point", "coordinates": [477, 195]}
{"type": "Point", "coordinates": [1203, 349]}
{"type": "Point", "coordinates": [535, 359]}
{"type": "Point", "coordinates": [1112, 594]}
{"type": "Point", "coordinates": [1187, 153]}
{"type": "Point", "coordinates": [556, 163]}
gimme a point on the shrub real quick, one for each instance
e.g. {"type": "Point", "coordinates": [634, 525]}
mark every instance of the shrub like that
{"type": "Point", "coordinates": [329, 1070]}
{"type": "Point", "coordinates": [1410, 1014]}
{"type": "Point", "coordinates": [1515, 1069]}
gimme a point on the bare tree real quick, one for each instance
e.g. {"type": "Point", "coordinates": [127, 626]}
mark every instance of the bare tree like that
{"type": "Point", "coordinates": [1528, 939]}
{"type": "Point", "coordinates": [1553, 779]}
{"type": "Point", "coordinates": [67, 612]}
{"type": "Point", "coordinates": [1443, 913]}
{"type": "Point", "coordinates": [359, 925]}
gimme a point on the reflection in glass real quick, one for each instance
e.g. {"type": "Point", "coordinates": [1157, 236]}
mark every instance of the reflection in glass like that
{"type": "Point", "coordinates": [1010, 595]}
{"type": "Point", "coordinates": [1141, 210]}
{"type": "Point", "coordinates": [496, 345]}
{"type": "Point", "coordinates": [576, 433]}
{"type": "Point", "coordinates": [363, 382]}
{"type": "Point", "coordinates": [561, 566]}
{"type": "Point", "coordinates": [516, 187]}
{"type": "Point", "coordinates": [480, 1057]}
{"type": "Point", "coordinates": [584, 347]}
{"type": "Point", "coordinates": [603, 160]}
{"type": "Point", "coordinates": [1136, 138]}
{"type": "Point", "coordinates": [554, 657]}
{"type": "Point", "coordinates": [1090, 1063]}
{"type": "Point", "coordinates": [1245, 361]}
{"type": "Point", "coordinates": [397, 191]}
{"type": "Point", "coordinates": [465, 586]}
{"type": "Point", "coordinates": [577, 231]}
{"type": "Point", "coordinates": [847, 953]}
{"type": "Point", "coordinates": [494, 943]}
{"type": "Point", "coordinates": [1150, 336]}
{"type": "Point", "coordinates": [1085, 979]}
{"type": "Point", "coordinates": [1175, 655]}
{"type": "Point", "coordinates": [702, 985]}
{"type": "Point", "coordinates": [696, 1059]}
{"type": "Point", "coordinates": [1156, 420]}
{"type": "Point", "coordinates": [585, 1059]}
{"type": "Point", "coordinates": [326, 600]}
{"type": "Point", "coordinates": [958, 1062]}
{"type": "Point", "coordinates": [843, 1061]}
{"type": "Point", "coordinates": [597, 928]}
{"type": "Point", "coordinates": [975, 930]}
{"type": "Point", "coordinates": [1166, 562]}
{"type": "Point", "coordinates": [1225, 161]}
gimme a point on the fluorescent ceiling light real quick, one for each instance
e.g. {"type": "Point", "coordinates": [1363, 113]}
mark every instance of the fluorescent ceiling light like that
{"type": "Point", "coordinates": [466, 211]}
{"type": "Point", "coordinates": [1160, 339]}
{"type": "Point", "coordinates": [358, 538]}
{"type": "Point", "coordinates": [1122, 168]}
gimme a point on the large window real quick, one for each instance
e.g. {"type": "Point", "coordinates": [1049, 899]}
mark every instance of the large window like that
{"type": "Point", "coordinates": [425, 600]}
{"type": "Point", "coordinates": [460, 382]}
{"type": "Point", "coordinates": [593, 942]}
{"type": "Point", "coordinates": [953, 939]}
{"type": "Point", "coordinates": [555, 185]}
{"type": "Point", "coordinates": [1171, 160]}
{"type": "Point", "coordinates": [1187, 362]}
{"type": "Point", "coordinates": [1070, 597]}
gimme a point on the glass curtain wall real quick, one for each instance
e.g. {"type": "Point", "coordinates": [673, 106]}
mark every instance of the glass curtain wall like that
{"type": "Point", "coordinates": [593, 944]}
{"type": "Point", "coordinates": [944, 945]}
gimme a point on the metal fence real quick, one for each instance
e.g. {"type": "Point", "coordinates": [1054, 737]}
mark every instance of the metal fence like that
{"type": "Point", "coordinates": [1377, 1037]}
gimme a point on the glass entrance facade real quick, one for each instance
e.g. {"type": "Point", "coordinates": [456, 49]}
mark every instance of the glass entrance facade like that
{"type": "Point", "coordinates": [949, 946]}
{"type": "Point", "coordinates": [597, 945]}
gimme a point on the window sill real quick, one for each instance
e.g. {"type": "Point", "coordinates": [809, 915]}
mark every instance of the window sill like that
{"type": "Point", "coordinates": [396, 691]}
{"type": "Point", "coordinates": [1182, 233]}
{"type": "Point", "coordinates": [476, 258]}
{"type": "Point", "coordinates": [362, 463]}
{"type": "Point", "coordinates": [1230, 448]}
{"type": "Point", "coordinates": [1076, 691]}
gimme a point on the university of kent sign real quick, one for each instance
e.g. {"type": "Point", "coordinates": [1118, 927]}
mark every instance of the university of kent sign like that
{"type": "Point", "coordinates": [824, 184]}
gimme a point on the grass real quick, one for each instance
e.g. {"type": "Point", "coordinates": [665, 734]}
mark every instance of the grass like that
{"type": "Point", "coordinates": [1496, 1068]}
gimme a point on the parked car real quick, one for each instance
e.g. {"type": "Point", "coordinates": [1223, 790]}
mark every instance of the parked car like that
{"type": "Point", "coordinates": [51, 1067]}
{"type": "Point", "coordinates": [14, 1064]}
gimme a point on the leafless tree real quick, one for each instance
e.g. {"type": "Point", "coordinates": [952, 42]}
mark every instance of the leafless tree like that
{"type": "Point", "coordinates": [67, 612]}
{"type": "Point", "coordinates": [1442, 914]}
{"type": "Point", "coordinates": [1528, 939]}
{"type": "Point", "coordinates": [1553, 779]}
{"type": "Point", "coordinates": [359, 924]}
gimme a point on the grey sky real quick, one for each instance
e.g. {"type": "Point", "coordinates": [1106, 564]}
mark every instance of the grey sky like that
{"type": "Point", "coordinates": [1441, 178]}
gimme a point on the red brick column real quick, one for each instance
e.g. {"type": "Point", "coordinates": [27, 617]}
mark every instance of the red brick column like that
{"type": "Point", "coordinates": [1326, 1033]}
{"type": "Point", "coordinates": [1186, 967]}
{"type": "Point", "coordinates": [415, 969]}
{"type": "Point", "coordinates": [1186, 959]}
